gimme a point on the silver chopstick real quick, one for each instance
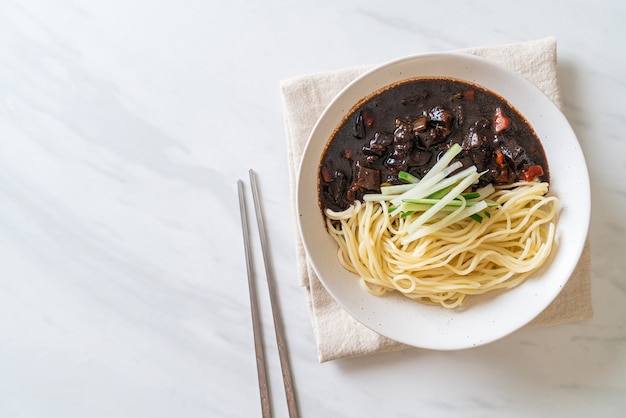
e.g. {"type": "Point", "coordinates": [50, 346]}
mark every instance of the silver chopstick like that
{"type": "Point", "coordinates": [278, 325]}
{"type": "Point", "coordinates": [256, 322]}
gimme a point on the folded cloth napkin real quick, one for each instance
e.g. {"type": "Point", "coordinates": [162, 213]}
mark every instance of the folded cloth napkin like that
{"type": "Point", "coordinates": [337, 334]}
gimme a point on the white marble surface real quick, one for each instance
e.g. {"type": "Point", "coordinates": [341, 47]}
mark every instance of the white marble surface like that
{"type": "Point", "coordinates": [123, 129]}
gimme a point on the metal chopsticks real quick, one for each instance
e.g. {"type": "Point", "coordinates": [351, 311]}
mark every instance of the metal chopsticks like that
{"type": "Point", "coordinates": [278, 326]}
{"type": "Point", "coordinates": [256, 321]}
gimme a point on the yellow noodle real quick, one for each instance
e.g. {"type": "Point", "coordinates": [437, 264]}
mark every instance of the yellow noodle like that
{"type": "Point", "coordinates": [443, 268]}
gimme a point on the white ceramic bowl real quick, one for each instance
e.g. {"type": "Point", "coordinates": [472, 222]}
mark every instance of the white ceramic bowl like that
{"type": "Point", "coordinates": [488, 317]}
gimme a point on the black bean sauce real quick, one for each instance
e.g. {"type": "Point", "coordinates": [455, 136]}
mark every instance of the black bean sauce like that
{"type": "Point", "coordinates": [409, 126]}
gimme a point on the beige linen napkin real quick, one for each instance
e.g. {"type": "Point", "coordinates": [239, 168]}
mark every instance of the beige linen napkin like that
{"type": "Point", "coordinates": [337, 334]}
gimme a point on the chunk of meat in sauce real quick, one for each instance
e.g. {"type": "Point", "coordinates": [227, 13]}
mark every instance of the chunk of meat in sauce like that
{"type": "Point", "coordinates": [335, 190]}
{"type": "Point", "coordinates": [401, 146]}
{"type": "Point", "coordinates": [367, 178]}
{"type": "Point", "coordinates": [438, 126]}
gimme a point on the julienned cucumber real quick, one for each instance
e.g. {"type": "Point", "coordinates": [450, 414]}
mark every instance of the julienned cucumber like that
{"type": "Point", "coordinates": [440, 194]}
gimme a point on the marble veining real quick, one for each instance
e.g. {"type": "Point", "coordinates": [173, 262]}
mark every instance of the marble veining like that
{"type": "Point", "coordinates": [123, 129]}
